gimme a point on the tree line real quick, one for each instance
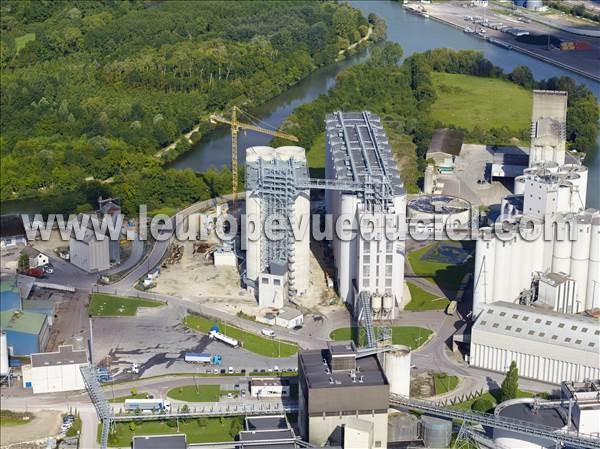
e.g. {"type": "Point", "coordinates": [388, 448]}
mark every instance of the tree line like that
{"type": "Point", "coordinates": [92, 90]}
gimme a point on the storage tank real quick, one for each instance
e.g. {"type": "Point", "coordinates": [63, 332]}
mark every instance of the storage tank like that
{"type": "Point", "coordinates": [581, 182]}
{"type": "Point", "coordinates": [564, 197]}
{"type": "Point", "coordinates": [517, 268]}
{"type": "Point", "coordinates": [402, 427]}
{"type": "Point", "coordinates": [376, 303]}
{"type": "Point", "coordinates": [519, 185]}
{"type": "Point", "coordinates": [347, 251]}
{"type": "Point", "coordinates": [437, 432]}
{"type": "Point", "coordinates": [580, 254]}
{"type": "Point", "coordinates": [561, 256]}
{"type": "Point", "coordinates": [483, 274]}
{"type": "Point", "coordinates": [550, 166]}
{"type": "Point", "coordinates": [524, 410]}
{"type": "Point", "coordinates": [502, 270]}
{"type": "Point", "coordinates": [396, 364]}
{"type": "Point", "coordinates": [388, 304]}
{"type": "Point", "coordinates": [593, 280]}
{"type": "Point", "coordinates": [4, 366]}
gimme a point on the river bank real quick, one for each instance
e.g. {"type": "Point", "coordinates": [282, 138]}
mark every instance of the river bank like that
{"type": "Point", "coordinates": [584, 63]}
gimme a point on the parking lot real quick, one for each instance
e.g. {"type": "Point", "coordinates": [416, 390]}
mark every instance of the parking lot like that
{"type": "Point", "coordinates": [119, 342]}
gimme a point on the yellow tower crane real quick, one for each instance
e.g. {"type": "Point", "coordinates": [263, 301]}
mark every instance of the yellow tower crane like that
{"type": "Point", "coordinates": [235, 127]}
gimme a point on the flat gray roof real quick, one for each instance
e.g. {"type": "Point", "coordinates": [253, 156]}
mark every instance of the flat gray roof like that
{"type": "Point", "coordinates": [64, 356]}
{"type": "Point", "coordinates": [360, 149]}
{"type": "Point", "coordinates": [319, 375]}
{"type": "Point", "coordinates": [266, 423]}
{"type": "Point", "coordinates": [269, 381]}
{"type": "Point", "coordinates": [545, 326]}
{"type": "Point", "coordinates": [160, 442]}
{"type": "Point", "coordinates": [281, 434]}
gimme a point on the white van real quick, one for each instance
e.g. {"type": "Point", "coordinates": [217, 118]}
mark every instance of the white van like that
{"type": "Point", "coordinates": [268, 332]}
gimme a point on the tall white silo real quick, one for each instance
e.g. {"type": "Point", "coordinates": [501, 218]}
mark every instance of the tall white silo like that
{"type": "Point", "coordinates": [580, 254]}
{"type": "Point", "coordinates": [593, 281]}
{"type": "Point", "coordinates": [483, 274]}
{"type": "Point", "coordinates": [4, 366]}
{"type": "Point", "coordinates": [519, 185]}
{"type": "Point", "coordinates": [561, 256]}
{"type": "Point", "coordinates": [502, 271]}
{"type": "Point", "coordinates": [563, 201]}
{"type": "Point", "coordinates": [516, 283]}
{"type": "Point", "coordinates": [396, 365]}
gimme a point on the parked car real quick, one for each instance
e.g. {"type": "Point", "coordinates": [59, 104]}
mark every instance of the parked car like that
{"type": "Point", "coordinates": [268, 332]}
{"type": "Point", "coordinates": [243, 393]}
{"type": "Point", "coordinates": [229, 396]}
{"type": "Point", "coordinates": [230, 370]}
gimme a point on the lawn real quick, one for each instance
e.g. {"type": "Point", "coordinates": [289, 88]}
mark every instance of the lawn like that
{"type": "Point", "coordinates": [467, 101]}
{"type": "Point", "coordinates": [315, 156]}
{"type": "Point", "coordinates": [10, 418]}
{"type": "Point", "coordinates": [21, 41]}
{"type": "Point", "coordinates": [411, 336]}
{"type": "Point", "coordinates": [423, 300]}
{"type": "Point", "coordinates": [131, 396]}
{"type": "Point", "coordinates": [108, 305]}
{"type": "Point", "coordinates": [255, 343]}
{"type": "Point", "coordinates": [444, 383]}
{"type": "Point", "coordinates": [446, 276]}
{"type": "Point", "coordinates": [494, 397]}
{"type": "Point", "coordinates": [201, 430]}
{"type": "Point", "coordinates": [193, 393]}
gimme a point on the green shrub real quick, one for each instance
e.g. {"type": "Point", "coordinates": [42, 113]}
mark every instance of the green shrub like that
{"type": "Point", "coordinates": [482, 405]}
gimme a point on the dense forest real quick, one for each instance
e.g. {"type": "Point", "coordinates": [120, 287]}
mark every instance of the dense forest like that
{"type": "Point", "coordinates": [92, 90]}
{"type": "Point", "coordinates": [405, 102]}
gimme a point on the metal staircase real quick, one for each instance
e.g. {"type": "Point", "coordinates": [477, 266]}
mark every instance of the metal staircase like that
{"type": "Point", "coordinates": [105, 413]}
{"type": "Point", "coordinates": [366, 317]}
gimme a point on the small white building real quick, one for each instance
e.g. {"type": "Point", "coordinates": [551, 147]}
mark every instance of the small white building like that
{"type": "Point", "coordinates": [270, 387]}
{"type": "Point", "coordinates": [273, 286]}
{"type": "Point", "coordinates": [36, 258]}
{"type": "Point", "coordinates": [224, 256]}
{"type": "Point", "coordinates": [52, 372]}
{"type": "Point", "coordinates": [585, 398]}
{"type": "Point", "coordinates": [289, 318]}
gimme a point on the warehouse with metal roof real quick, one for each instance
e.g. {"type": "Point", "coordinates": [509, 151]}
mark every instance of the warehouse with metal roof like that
{"type": "Point", "coordinates": [546, 345]}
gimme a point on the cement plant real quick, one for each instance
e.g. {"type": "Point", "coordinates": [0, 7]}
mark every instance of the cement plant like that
{"type": "Point", "coordinates": [288, 318]}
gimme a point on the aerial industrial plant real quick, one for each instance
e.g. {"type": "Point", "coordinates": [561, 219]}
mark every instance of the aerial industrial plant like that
{"type": "Point", "coordinates": [397, 255]}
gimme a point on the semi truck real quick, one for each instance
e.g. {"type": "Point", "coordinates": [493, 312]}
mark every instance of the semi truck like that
{"type": "Point", "coordinates": [147, 405]}
{"type": "Point", "coordinates": [216, 335]}
{"type": "Point", "coordinates": [205, 358]}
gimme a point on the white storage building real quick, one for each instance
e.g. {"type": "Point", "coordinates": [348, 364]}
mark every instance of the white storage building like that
{"type": "Point", "coordinates": [546, 345]}
{"type": "Point", "coordinates": [91, 253]}
{"type": "Point", "coordinates": [52, 372]}
{"type": "Point", "coordinates": [270, 387]}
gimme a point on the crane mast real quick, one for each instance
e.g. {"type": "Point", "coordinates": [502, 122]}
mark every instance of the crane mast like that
{"type": "Point", "coordinates": [235, 127]}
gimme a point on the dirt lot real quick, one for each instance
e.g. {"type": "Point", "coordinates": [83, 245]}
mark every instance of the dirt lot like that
{"type": "Point", "coordinates": [195, 276]}
{"type": "Point", "coordinates": [44, 424]}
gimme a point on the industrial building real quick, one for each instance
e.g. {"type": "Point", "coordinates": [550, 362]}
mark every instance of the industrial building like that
{"type": "Point", "coordinates": [577, 411]}
{"type": "Point", "coordinates": [548, 126]}
{"type": "Point", "coordinates": [505, 266]}
{"type": "Point", "coordinates": [336, 388]}
{"type": "Point", "coordinates": [445, 146]}
{"type": "Point", "coordinates": [111, 207]}
{"type": "Point", "coordinates": [91, 253]}
{"type": "Point", "coordinates": [12, 231]}
{"type": "Point", "coordinates": [277, 269]}
{"type": "Point", "coordinates": [26, 332]}
{"type": "Point", "coordinates": [269, 431]}
{"type": "Point", "coordinates": [546, 345]}
{"type": "Point", "coordinates": [52, 372]}
{"type": "Point", "coordinates": [178, 441]}
{"type": "Point", "coordinates": [358, 153]}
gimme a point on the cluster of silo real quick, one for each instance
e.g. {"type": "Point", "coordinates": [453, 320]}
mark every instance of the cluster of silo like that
{"type": "Point", "coordinates": [382, 306]}
{"type": "Point", "coordinates": [276, 195]}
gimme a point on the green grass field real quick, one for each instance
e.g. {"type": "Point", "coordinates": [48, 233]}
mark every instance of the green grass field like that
{"type": "Point", "coordinates": [468, 101]}
{"type": "Point", "coordinates": [252, 342]}
{"type": "Point", "coordinates": [423, 300]}
{"type": "Point", "coordinates": [21, 41]}
{"type": "Point", "coordinates": [444, 383]}
{"type": "Point", "coordinates": [203, 430]}
{"type": "Point", "coordinates": [10, 418]}
{"type": "Point", "coordinates": [494, 397]}
{"type": "Point", "coordinates": [411, 336]}
{"type": "Point", "coordinates": [141, 395]}
{"type": "Point", "coordinates": [191, 393]}
{"type": "Point", "coordinates": [446, 276]}
{"type": "Point", "coordinates": [108, 305]}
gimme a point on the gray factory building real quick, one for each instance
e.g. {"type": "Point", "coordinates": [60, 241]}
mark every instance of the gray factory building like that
{"type": "Point", "coordinates": [335, 390]}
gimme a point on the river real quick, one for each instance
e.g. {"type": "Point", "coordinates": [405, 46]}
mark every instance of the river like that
{"type": "Point", "coordinates": [414, 34]}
